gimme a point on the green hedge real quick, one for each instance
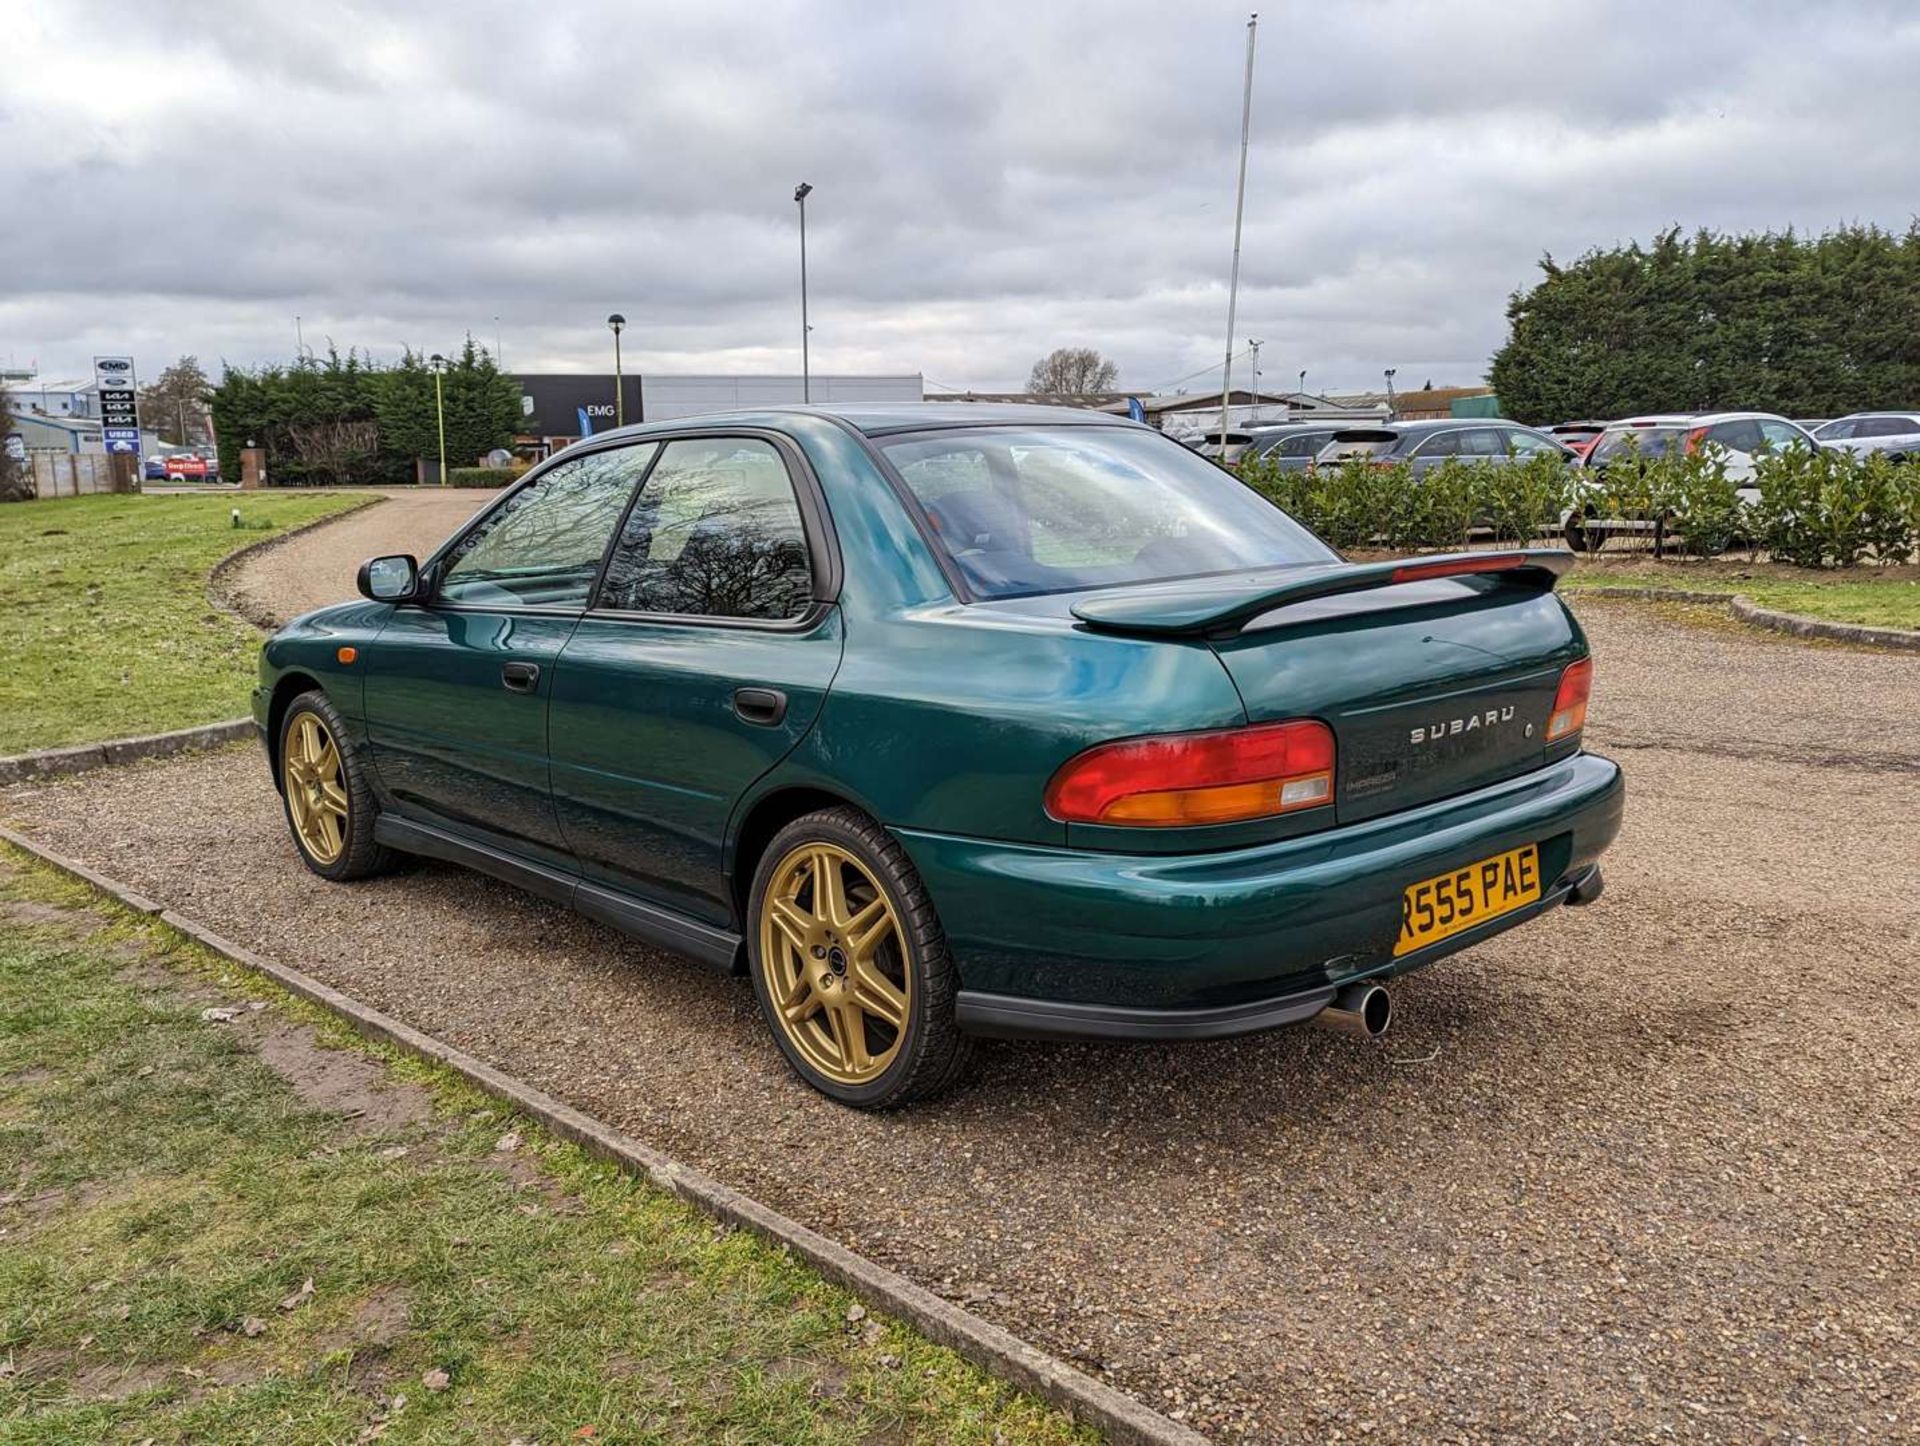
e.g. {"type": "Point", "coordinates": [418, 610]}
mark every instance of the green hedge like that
{"type": "Point", "coordinates": [1816, 509]}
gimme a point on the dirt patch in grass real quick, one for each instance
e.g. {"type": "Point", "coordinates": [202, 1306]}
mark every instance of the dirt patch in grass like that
{"type": "Point", "coordinates": [343, 1082]}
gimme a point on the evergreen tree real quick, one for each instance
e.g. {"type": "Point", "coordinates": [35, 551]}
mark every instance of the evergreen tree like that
{"type": "Point", "coordinates": [1774, 322]}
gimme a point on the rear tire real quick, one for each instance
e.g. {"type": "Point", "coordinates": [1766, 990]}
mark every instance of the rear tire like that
{"type": "Point", "coordinates": [851, 966]}
{"type": "Point", "coordinates": [326, 792]}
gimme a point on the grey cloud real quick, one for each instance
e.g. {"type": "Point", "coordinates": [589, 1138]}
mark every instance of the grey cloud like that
{"type": "Point", "coordinates": [993, 179]}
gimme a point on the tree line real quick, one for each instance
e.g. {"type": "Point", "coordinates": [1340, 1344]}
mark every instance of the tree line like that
{"type": "Point", "coordinates": [347, 421]}
{"type": "Point", "coordinates": [1802, 326]}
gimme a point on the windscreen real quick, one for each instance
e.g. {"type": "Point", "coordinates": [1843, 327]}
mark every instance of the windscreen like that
{"type": "Point", "coordinates": [1635, 441]}
{"type": "Point", "coordinates": [1058, 509]}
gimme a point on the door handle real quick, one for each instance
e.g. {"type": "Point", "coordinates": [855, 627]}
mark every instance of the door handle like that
{"type": "Point", "coordinates": [520, 677]}
{"type": "Point", "coordinates": [764, 706]}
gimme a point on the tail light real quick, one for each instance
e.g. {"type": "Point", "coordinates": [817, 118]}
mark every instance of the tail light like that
{"type": "Point", "coordinates": [1696, 439]}
{"type": "Point", "coordinates": [1191, 779]}
{"type": "Point", "coordinates": [1570, 703]}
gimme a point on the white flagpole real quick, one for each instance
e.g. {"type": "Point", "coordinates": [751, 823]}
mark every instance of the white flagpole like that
{"type": "Point", "coordinates": [1239, 209]}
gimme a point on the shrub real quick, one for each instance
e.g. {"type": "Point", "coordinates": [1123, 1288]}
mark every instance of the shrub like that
{"type": "Point", "coordinates": [1816, 508]}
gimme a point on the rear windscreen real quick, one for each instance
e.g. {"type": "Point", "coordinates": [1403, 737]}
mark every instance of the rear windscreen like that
{"type": "Point", "coordinates": [1359, 444]}
{"type": "Point", "coordinates": [1636, 441]}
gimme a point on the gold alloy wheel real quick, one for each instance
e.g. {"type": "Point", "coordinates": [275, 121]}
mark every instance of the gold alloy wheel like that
{"type": "Point", "coordinates": [316, 794]}
{"type": "Point", "coordinates": [835, 964]}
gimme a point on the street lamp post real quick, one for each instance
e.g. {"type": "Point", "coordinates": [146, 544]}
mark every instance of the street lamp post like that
{"type": "Point", "coordinates": [1392, 408]}
{"type": "Point", "coordinates": [616, 321]}
{"type": "Point", "coordinates": [1303, 381]}
{"type": "Point", "coordinates": [1255, 346]}
{"type": "Point", "coordinates": [439, 364]}
{"type": "Point", "coordinates": [800, 194]}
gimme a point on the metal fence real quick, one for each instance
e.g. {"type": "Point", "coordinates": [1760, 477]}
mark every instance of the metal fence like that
{"type": "Point", "coordinates": [70, 474]}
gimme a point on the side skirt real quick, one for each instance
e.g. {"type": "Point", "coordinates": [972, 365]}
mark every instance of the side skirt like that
{"type": "Point", "coordinates": [717, 949]}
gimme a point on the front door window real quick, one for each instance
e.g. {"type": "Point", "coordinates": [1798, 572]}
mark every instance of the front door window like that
{"type": "Point", "coordinates": [542, 546]}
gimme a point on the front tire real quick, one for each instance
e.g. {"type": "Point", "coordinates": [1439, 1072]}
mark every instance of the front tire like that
{"type": "Point", "coordinates": [850, 964]}
{"type": "Point", "coordinates": [326, 793]}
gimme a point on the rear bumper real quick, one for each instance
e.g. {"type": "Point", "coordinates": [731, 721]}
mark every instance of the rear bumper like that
{"type": "Point", "coordinates": [1072, 942]}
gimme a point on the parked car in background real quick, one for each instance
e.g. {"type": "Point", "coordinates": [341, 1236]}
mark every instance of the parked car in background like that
{"type": "Point", "coordinates": [1224, 450]}
{"type": "Point", "coordinates": [1427, 444]}
{"type": "Point", "coordinates": [1293, 445]}
{"type": "Point", "coordinates": [950, 720]}
{"type": "Point", "coordinates": [1739, 437]}
{"type": "Point", "coordinates": [1896, 433]}
{"type": "Point", "coordinates": [1577, 437]}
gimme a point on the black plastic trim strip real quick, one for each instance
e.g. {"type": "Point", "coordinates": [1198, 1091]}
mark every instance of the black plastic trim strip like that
{"type": "Point", "coordinates": [718, 949]}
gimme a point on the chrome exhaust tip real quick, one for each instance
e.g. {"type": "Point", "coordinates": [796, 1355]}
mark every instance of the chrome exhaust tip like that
{"type": "Point", "coordinates": [1364, 1010]}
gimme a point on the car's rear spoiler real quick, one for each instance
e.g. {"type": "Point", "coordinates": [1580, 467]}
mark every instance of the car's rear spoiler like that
{"type": "Point", "coordinates": [1213, 606]}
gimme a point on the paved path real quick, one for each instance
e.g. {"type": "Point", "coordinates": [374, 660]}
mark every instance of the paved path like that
{"type": "Point", "coordinates": [1641, 1169]}
{"type": "Point", "coordinates": [319, 567]}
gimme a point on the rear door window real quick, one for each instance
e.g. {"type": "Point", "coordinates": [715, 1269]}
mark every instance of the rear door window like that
{"type": "Point", "coordinates": [715, 532]}
{"type": "Point", "coordinates": [1885, 427]}
{"type": "Point", "coordinates": [1440, 444]}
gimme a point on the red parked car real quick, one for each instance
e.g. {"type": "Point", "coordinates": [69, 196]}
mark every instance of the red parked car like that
{"type": "Point", "coordinates": [1580, 436]}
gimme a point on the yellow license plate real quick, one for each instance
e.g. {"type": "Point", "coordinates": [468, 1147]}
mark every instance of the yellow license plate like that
{"type": "Point", "coordinates": [1436, 908]}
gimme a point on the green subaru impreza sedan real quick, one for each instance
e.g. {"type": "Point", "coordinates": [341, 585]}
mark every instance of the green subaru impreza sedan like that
{"type": "Point", "coordinates": [942, 721]}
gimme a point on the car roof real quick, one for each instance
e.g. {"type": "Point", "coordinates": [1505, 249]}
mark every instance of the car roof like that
{"type": "Point", "coordinates": [1860, 416]}
{"type": "Point", "coordinates": [877, 419]}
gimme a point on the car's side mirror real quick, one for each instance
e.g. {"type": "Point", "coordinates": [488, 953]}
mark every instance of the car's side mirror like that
{"type": "Point", "coordinates": [390, 579]}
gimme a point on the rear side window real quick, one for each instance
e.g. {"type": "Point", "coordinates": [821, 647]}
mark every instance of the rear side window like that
{"type": "Point", "coordinates": [542, 546]}
{"type": "Point", "coordinates": [1441, 444]}
{"type": "Point", "coordinates": [1741, 436]}
{"type": "Point", "coordinates": [715, 532]}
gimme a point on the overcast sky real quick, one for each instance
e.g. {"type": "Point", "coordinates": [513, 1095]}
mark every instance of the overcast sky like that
{"type": "Point", "coordinates": [991, 179]}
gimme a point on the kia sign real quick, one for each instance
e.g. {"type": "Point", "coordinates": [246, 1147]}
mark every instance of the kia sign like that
{"type": "Point", "coordinates": [119, 404]}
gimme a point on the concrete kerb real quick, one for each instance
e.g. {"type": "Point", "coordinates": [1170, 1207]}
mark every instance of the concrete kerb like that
{"type": "Point", "coordinates": [994, 1349]}
{"type": "Point", "coordinates": [1746, 610]}
{"type": "Point", "coordinates": [57, 762]}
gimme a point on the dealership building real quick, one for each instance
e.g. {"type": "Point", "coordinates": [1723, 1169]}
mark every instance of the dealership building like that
{"type": "Point", "coordinates": [558, 408]}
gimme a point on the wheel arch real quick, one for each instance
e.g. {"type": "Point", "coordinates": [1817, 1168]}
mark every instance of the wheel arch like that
{"type": "Point", "coordinates": [764, 818]}
{"type": "Point", "coordinates": [290, 685]}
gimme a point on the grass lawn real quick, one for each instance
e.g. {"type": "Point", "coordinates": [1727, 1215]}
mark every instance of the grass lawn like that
{"type": "Point", "coordinates": [266, 1230]}
{"type": "Point", "coordinates": [1881, 597]}
{"type": "Point", "coordinates": [104, 619]}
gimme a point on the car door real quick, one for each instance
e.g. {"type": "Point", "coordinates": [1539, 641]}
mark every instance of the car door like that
{"type": "Point", "coordinates": [457, 688]}
{"type": "Point", "coordinates": [1435, 450]}
{"type": "Point", "coordinates": [704, 659]}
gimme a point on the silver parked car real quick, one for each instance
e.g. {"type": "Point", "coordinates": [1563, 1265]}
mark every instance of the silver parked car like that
{"type": "Point", "coordinates": [1897, 433]}
{"type": "Point", "coordinates": [1427, 444]}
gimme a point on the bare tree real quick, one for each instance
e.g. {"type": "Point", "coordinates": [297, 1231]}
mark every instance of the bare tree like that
{"type": "Point", "coordinates": [1074, 371]}
{"type": "Point", "coordinates": [175, 405]}
{"type": "Point", "coordinates": [334, 448]}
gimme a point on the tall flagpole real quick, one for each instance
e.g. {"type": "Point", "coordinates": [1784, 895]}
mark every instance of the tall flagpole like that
{"type": "Point", "coordinates": [1239, 209]}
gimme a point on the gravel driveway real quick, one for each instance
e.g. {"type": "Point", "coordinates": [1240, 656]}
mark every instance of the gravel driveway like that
{"type": "Point", "coordinates": [1649, 1168]}
{"type": "Point", "coordinates": [319, 567]}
